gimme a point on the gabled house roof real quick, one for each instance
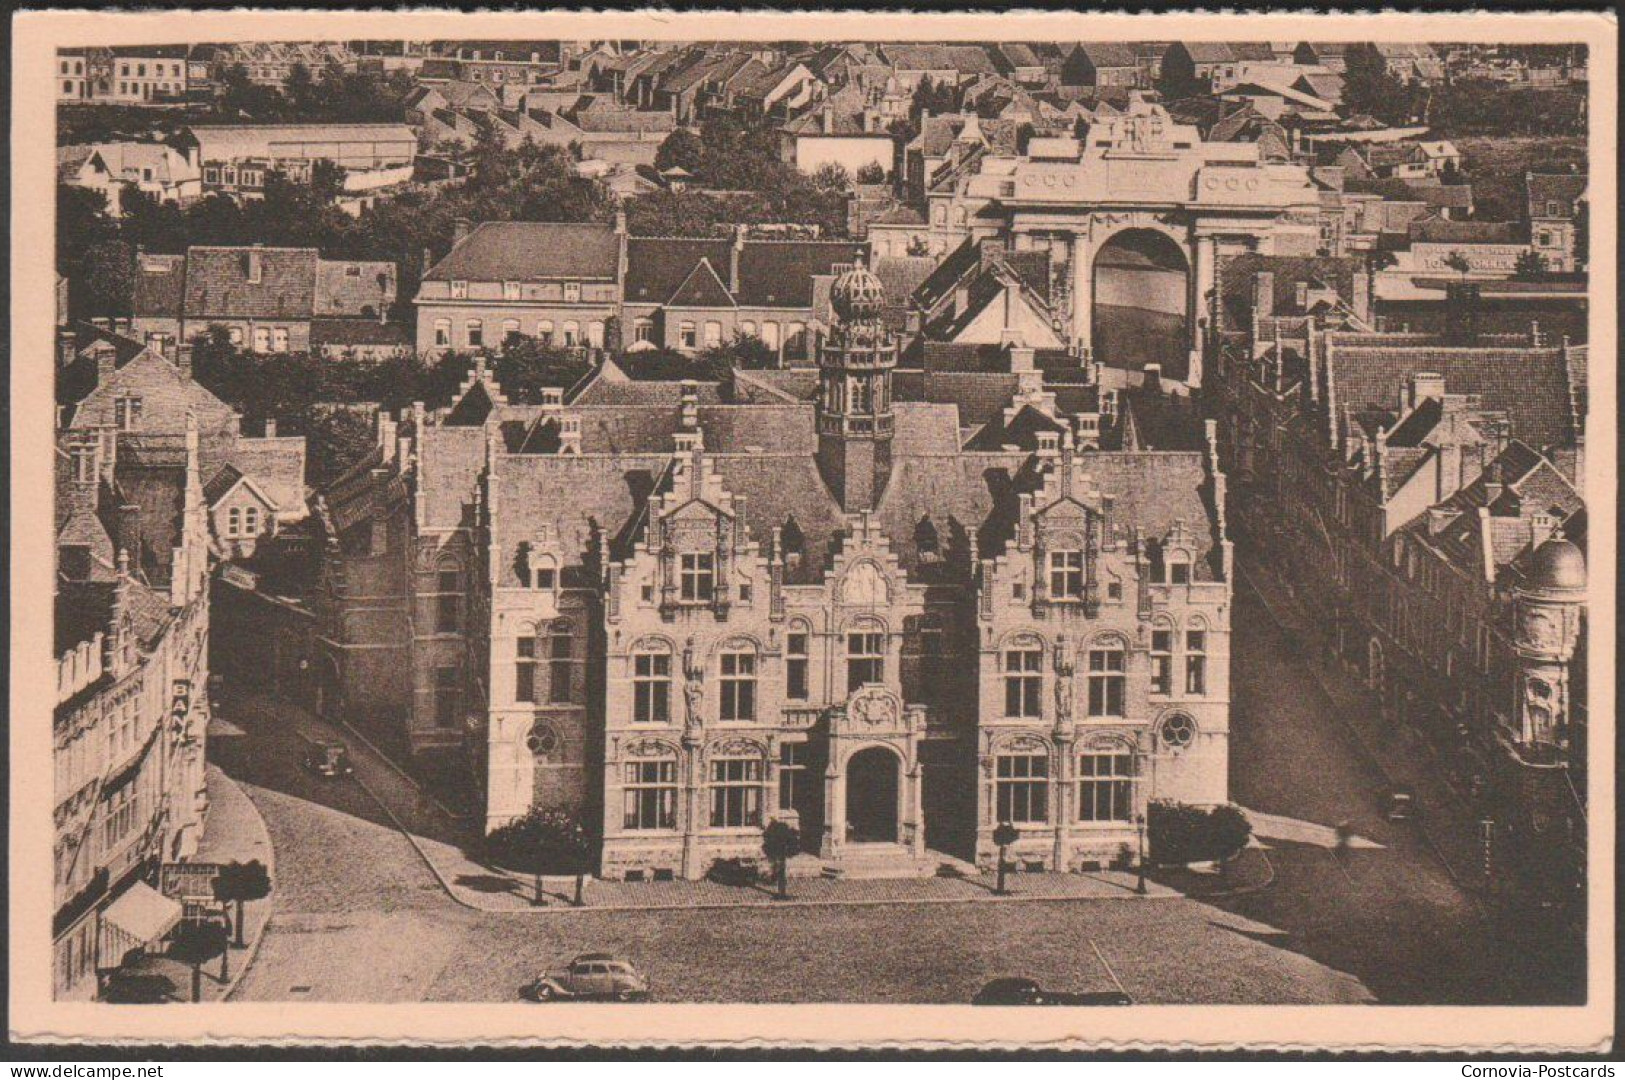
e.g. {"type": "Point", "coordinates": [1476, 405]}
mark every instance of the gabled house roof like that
{"type": "Point", "coordinates": [531, 251]}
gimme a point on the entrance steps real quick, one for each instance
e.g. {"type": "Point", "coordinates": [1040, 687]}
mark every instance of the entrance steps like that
{"type": "Point", "coordinates": [881, 860]}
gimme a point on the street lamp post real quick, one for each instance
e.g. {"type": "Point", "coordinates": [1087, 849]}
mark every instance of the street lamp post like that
{"type": "Point", "coordinates": [1139, 884]}
{"type": "Point", "coordinates": [1003, 836]}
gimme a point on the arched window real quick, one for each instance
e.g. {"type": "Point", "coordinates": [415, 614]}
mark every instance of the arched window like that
{"type": "Point", "coordinates": [770, 335]}
{"type": "Point", "coordinates": [650, 795]}
{"type": "Point", "coordinates": [541, 572]}
{"type": "Point", "coordinates": [572, 334]}
{"type": "Point", "coordinates": [475, 331]}
{"type": "Point", "coordinates": [736, 791]}
{"type": "Point", "coordinates": [747, 327]}
{"type": "Point", "coordinates": [595, 333]}
{"type": "Point", "coordinates": [1106, 678]}
{"type": "Point", "coordinates": [737, 670]}
{"type": "Point", "coordinates": [651, 684]}
{"type": "Point", "coordinates": [544, 332]}
{"type": "Point", "coordinates": [713, 333]}
{"type": "Point", "coordinates": [1162, 659]}
{"type": "Point", "coordinates": [1023, 660]}
{"type": "Point", "coordinates": [510, 330]}
{"type": "Point", "coordinates": [1022, 787]}
{"type": "Point", "coordinates": [1179, 567]}
{"type": "Point", "coordinates": [797, 645]}
{"type": "Point", "coordinates": [1106, 785]}
{"type": "Point", "coordinates": [686, 338]}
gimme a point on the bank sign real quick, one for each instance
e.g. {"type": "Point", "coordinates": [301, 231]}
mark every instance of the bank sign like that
{"type": "Point", "coordinates": [1481, 258]}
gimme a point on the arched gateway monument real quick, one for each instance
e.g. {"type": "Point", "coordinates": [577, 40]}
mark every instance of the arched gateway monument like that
{"type": "Point", "coordinates": [1143, 181]}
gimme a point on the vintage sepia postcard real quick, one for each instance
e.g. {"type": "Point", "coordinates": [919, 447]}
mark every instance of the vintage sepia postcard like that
{"type": "Point", "coordinates": [1046, 531]}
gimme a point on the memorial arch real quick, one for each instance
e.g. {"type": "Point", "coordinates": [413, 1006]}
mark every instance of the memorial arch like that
{"type": "Point", "coordinates": [1141, 296]}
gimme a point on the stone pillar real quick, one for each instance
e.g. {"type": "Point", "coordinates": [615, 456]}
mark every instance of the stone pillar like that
{"type": "Point", "coordinates": [692, 787]}
{"type": "Point", "coordinates": [1202, 277]}
{"type": "Point", "coordinates": [1083, 290]}
{"type": "Point", "coordinates": [1065, 788]}
{"type": "Point", "coordinates": [916, 806]}
{"type": "Point", "coordinates": [834, 806]}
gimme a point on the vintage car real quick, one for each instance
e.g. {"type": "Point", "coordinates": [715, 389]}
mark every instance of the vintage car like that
{"type": "Point", "coordinates": [1019, 991]}
{"type": "Point", "coordinates": [328, 759]}
{"type": "Point", "coordinates": [589, 977]}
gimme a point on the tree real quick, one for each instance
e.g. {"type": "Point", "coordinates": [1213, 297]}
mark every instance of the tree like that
{"type": "Point", "coordinates": [781, 841]}
{"type": "Point", "coordinates": [545, 841]}
{"type": "Point", "coordinates": [327, 179]}
{"type": "Point", "coordinates": [1180, 833]}
{"type": "Point", "coordinates": [871, 173]}
{"type": "Point", "coordinates": [109, 278]}
{"type": "Point", "coordinates": [1369, 88]}
{"type": "Point", "coordinates": [239, 882]}
{"type": "Point", "coordinates": [1529, 265]}
{"type": "Point", "coordinates": [746, 351]}
{"type": "Point", "coordinates": [1004, 836]}
{"type": "Point", "coordinates": [1458, 262]}
{"type": "Point", "coordinates": [681, 149]}
{"type": "Point", "coordinates": [832, 176]}
{"type": "Point", "coordinates": [195, 944]}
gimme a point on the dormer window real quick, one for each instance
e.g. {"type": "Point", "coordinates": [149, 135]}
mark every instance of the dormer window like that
{"type": "Point", "coordinates": [459, 290]}
{"type": "Point", "coordinates": [1066, 575]}
{"type": "Point", "coordinates": [698, 577]}
{"type": "Point", "coordinates": [572, 292]}
{"type": "Point", "coordinates": [253, 268]}
{"type": "Point", "coordinates": [510, 290]}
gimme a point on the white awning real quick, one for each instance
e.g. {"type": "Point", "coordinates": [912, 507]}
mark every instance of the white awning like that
{"type": "Point", "coordinates": [143, 913]}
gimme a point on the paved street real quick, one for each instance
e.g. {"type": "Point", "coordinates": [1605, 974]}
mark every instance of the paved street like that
{"type": "Point", "coordinates": [1387, 924]}
{"type": "Point", "coordinates": [1389, 914]}
{"type": "Point", "coordinates": [352, 890]}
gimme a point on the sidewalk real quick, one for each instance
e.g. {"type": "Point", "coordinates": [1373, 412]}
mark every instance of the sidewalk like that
{"type": "Point", "coordinates": [1397, 753]}
{"type": "Point", "coordinates": [485, 888]}
{"type": "Point", "coordinates": [234, 832]}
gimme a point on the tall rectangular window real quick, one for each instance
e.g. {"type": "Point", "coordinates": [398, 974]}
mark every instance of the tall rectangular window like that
{"type": "Point", "coordinates": [1023, 682]}
{"type": "Point", "coordinates": [1162, 662]}
{"type": "Point", "coordinates": [698, 577]}
{"type": "Point", "coordinates": [1066, 575]}
{"type": "Point", "coordinates": [279, 339]}
{"type": "Point", "coordinates": [738, 686]}
{"type": "Point", "coordinates": [865, 659]}
{"type": "Point", "coordinates": [476, 333]}
{"type": "Point", "coordinates": [525, 670]}
{"type": "Point", "coordinates": [792, 775]}
{"type": "Point", "coordinates": [1196, 662]}
{"type": "Point", "coordinates": [447, 696]}
{"type": "Point", "coordinates": [651, 688]}
{"type": "Point", "coordinates": [736, 793]}
{"type": "Point", "coordinates": [1106, 682]}
{"type": "Point", "coordinates": [1106, 787]}
{"type": "Point", "coordinates": [127, 413]}
{"type": "Point", "coordinates": [795, 667]}
{"type": "Point", "coordinates": [560, 665]}
{"type": "Point", "coordinates": [686, 338]}
{"type": "Point", "coordinates": [650, 795]}
{"type": "Point", "coordinates": [1023, 788]}
{"type": "Point", "coordinates": [448, 604]}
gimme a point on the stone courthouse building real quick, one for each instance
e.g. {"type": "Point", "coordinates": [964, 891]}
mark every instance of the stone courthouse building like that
{"type": "Point", "coordinates": [694, 609]}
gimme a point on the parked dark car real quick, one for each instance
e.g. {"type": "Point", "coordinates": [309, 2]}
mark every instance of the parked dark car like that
{"type": "Point", "coordinates": [328, 759]}
{"type": "Point", "coordinates": [590, 977]}
{"type": "Point", "coordinates": [1016, 991]}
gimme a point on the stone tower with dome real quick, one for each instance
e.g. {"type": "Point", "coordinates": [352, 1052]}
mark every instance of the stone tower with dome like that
{"type": "Point", "coordinates": [1550, 603]}
{"type": "Point", "coordinates": [855, 417]}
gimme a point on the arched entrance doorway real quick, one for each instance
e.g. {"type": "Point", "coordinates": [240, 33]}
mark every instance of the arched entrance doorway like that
{"type": "Point", "coordinates": [1141, 293]}
{"type": "Point", "coordinates": [872, 796]}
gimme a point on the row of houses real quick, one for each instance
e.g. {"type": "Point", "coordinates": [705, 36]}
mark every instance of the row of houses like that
{"type": "Point", "coordinates": [1423, 492]}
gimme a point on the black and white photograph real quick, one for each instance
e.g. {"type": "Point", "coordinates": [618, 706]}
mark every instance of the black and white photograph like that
{"type": "Point", "coordinates": [790, 520]}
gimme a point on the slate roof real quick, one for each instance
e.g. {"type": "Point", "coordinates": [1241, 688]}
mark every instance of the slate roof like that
{"type": "Point", "coordinates": [532, 251]}
{"type": "Point", "coordinates": [1440, 231]}
{"type": "Point", "coordinates": [159, 290]}
{"type": "Point", "coordinates": [701, 289]}
{"type": "Point", "coordinates": [1109, 54]}
{"type": "Point", "coordinates": [779, 273]}
{"type": "Point", "coordinates": [1532, 386]}
{"type": "Point", "coordinates": [1563, 188]}
{"type": "Point", "coordinates": [965, 59]}
{"type": "Point", "coordinates": [276, 466]}
{"type": "Point", "coordinates": [657, 266]}
{"type": "Point", "coordinates": [339, 333]}
{"type": "Point", "coordinates": [218, 284]}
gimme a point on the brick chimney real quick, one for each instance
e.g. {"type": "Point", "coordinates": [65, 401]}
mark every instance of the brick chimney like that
{"type": "Point", "coordinates": [993, 250]}
{"type": "Point", "coordinates": [270, 427]}
{"type": "Point", "coordinates": [1425, 386]}
{"type": "Point", "coordinates": [459, 230]}
{"type": "Point", "coordinates": [1264, 293]}
{"type": "Point", "coordinates": [183, 359]}
{"type": "Point", "coordinates": [734, 253]}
